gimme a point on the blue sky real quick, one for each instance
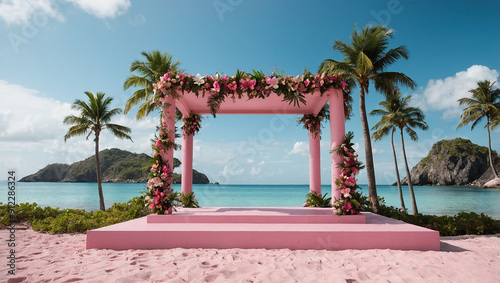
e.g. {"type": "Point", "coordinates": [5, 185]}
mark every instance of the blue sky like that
{"type": "Point", "coordinates": [53, 51]}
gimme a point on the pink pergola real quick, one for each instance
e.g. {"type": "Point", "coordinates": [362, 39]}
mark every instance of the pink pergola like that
{"type": "Point", "coordinates": [189, 103]}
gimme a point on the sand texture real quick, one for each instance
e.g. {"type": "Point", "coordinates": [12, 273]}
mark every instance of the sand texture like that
{"type": "Point", "coordinates": [63, 258]}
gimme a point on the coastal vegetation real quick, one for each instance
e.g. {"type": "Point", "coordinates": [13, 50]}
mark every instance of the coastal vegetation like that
{"type": "Point", "coordinates": [366, 60]}
{"type": "Point", "coordinates": [94, 117]}
{"type": "Point", "coordinates": [55, 220]}
{"type": "Point", "coordinates": [397, 114]}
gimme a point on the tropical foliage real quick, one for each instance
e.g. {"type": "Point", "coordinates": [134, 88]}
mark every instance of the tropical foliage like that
{"type": "Point", "coordinates": [188, 200]}
{"type": "Point", "coordinates": [366, 59]}
{"type": "Point", "coordinates": [315, 199]}
{"type": "Point", "coordinates": [95, 116]}
{"type": "Point", "coordinates": [256, 85]}
{"type": "Point", "coordinates": [312, 122]}
{"type": "Point", "coordinates": [144, 74]}
{"type": "Point", "coordinates": [484, 103]}
{"type": "Point", "coordinates": [191, 124]}
{"type": "Point", "coordinates": [349, 202]}
{"type": "Point", "coordinates": [396, 113]}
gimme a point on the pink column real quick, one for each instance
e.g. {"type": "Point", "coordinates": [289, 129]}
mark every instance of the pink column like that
{"type": "Point", "coordinates": [187, 163]}
{"type": "Point", "coordinates": [168, 122]}
{"type": "Point", "coordinates": [314, 164]}
{"type": "Point", "coordinates": [337, 133]}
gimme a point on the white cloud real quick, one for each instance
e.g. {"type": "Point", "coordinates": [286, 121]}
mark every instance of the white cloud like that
{"type": "Point", "coordinates": [28, 116]}
{"type": "Point", "coordinates": [301, 148]}
{"type": "Point", "coordinates": [255, 171]}
{"type": "Point", "coordinates": [232, 171]}
{"type": "Point", "coordinates": [103, 9]}
{"type": "Point", "coordinates": [23, 11]}
{"type": "Point", "coordinates": [443, 94]}
{"type": "Point", "coordinates": [32, 132]}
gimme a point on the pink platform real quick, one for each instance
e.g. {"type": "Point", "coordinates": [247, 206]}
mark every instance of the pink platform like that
{"type": "Point", "coordinates": [268, 228]}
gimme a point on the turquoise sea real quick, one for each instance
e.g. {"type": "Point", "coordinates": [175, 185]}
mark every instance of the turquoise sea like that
{"type": "Point", "coordinates": [442, 200]}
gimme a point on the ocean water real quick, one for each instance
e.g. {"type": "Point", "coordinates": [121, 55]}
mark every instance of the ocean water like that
{"type": "Point", "coordinates": [438, 200]}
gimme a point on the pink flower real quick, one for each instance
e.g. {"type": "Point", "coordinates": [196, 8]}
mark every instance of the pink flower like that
{"type": "Point", "coordinates": [158, 142]}
{"type": "Point", "coordinates": [347, 206]}
{"type": "Point", "coordinates": [354, 170]}
{"type": "Point", "coordinates": [216, 87]}
{"type": "Point", "coordinates": [272, 82]}
{"type": "Point", "coordinates": [232, 86]}
{"type": "Point", "coordinates": [157, 182]}
{"type": "Point", "coordinates": [350, 181]}
{"type": "Point", "coordinates": [346, 192]}
{"type": "Point", "coordinates": [344, 84]}
{"type": "Point", "coordinates": [251, 84]}
{"type": "Point", "coordinates": [165, 169]}
{"type": "Point", "coordinates": [307, 82]}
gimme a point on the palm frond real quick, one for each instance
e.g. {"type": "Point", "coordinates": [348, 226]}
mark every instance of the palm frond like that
{"type": "Point", "coordinates": [391, 57]}
{"type": "Point", "coordinates": [119, 131]}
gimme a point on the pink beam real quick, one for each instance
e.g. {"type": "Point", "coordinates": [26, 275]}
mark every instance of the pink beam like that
{"type": "Point", "coordinates": [314, 164]}
{"type": "Point", "coordinates": [187, 163]}
{"type": "Point", "coordinates": [337, 133]}
{"type": "Point", "coordinates": [168, 122]}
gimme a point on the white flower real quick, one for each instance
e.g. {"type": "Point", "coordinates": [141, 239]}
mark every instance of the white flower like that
{"type": "Point", "coordinates": [199, 79]}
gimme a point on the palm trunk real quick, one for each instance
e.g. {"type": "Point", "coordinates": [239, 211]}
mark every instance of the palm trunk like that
{"type": "Point", "coordinates": [489, 149]}
{"type": "Point", "coordinates": [98, 171]}
{"type": "Point", "coordinates": [401, 200]}
{"type": "Point", "coordinates": [414, 208]}
{"type": "Point", "coordinates": [370, 171]}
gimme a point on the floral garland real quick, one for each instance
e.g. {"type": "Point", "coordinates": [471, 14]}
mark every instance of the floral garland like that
{"type": "Point", "coordinates": [255, 85]}
{"type": "Point", "coordinates": [191, 124]}
{"type": "Point", "coordinates": [312, 122]}
{"type": "Point", "coordinates": [349, 201]}
{"type": "Point", "coordinates": [159, 196]}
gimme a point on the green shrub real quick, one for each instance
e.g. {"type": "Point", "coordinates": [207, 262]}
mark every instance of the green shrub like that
{"type": "Point", "coordinates": [463, 223]}
{"type": "Point", "coordinates": [55, 220]}
{"type": "Point", "coordinates": [317, 200]}
{"type": "Point", "coordinates": [188, 200]}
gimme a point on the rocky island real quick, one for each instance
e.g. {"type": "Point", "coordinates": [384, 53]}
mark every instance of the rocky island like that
{"type": "Point", "coordinates": [117, 166]}
{"type": "Point", "coordinates": [456, 162]}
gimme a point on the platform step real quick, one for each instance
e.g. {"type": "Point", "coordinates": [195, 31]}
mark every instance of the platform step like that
{"type": "Point", "coordinates": [378, 233]}
{"type": "Point", "coordinates": [256, 215]}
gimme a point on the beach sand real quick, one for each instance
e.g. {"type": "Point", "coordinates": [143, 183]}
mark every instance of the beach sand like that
{"type": "Point", "coordinates": [63, 258]}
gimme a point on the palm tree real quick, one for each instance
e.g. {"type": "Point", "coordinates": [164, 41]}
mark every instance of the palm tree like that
{"type": "Point", "coordinates": [485, 102]}
{"type": "Point", "coordinates": [149, 72]}
{"type": "Point", "coordinates": [386, 125]}
{"type": "Point", "coordinates": [94, 117]}
{"type": "Point", "coordinates": [398, 114]}
{"type": "Point", "coordinates": [365, 60]}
